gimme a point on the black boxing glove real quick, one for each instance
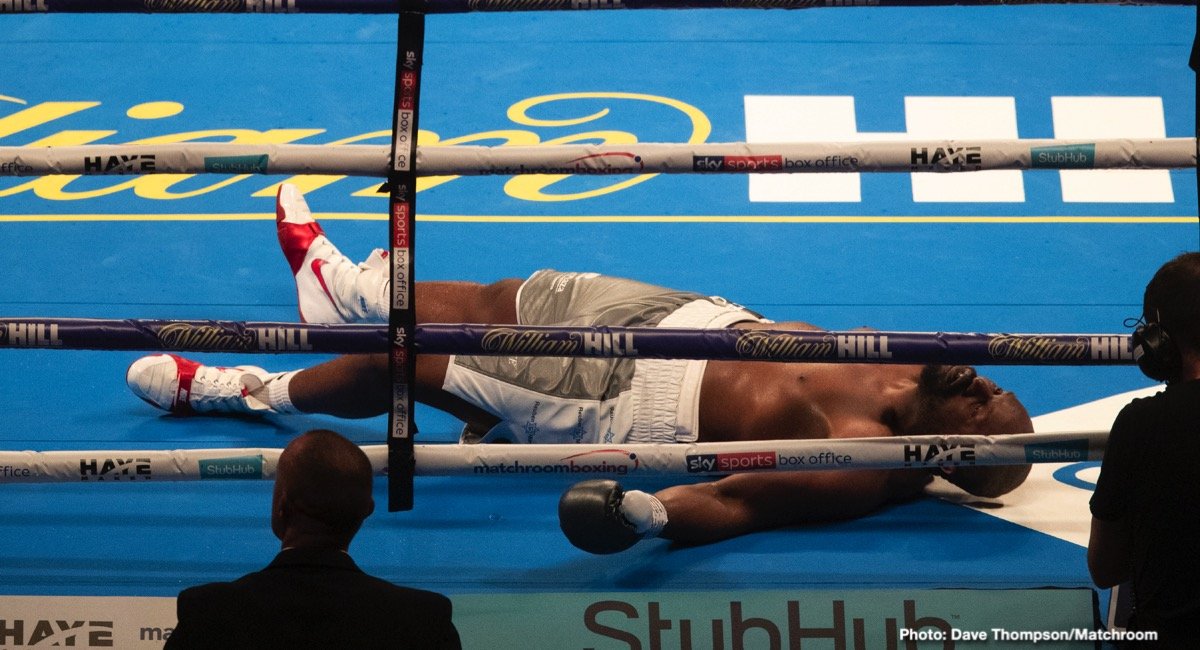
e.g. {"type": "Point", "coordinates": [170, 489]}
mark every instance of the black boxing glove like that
{"type": "Point", "coordinates": [600, 517]}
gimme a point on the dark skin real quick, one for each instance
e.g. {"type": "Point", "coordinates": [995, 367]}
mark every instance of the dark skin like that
{"type": "Point", "coordinates": [297, 526]}
{"type": "Point", "coordinates": [740, 400]}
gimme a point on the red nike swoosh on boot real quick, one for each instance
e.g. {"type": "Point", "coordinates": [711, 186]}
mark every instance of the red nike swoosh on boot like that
{"type": "Point", "coordinates": [316, 269]}
{"type": "Point", "coordinates": [295, 239]}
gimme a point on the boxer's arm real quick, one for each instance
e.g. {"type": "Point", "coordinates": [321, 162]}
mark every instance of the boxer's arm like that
{"type": "Point", "coordinates": [744, 503]}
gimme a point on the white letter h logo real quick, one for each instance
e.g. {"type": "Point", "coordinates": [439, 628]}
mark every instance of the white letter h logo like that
{"type": "Point", "coordinates": [806, 118]}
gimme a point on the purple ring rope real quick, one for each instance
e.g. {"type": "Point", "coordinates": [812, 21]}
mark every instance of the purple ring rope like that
{"type": "Point", "coordinates": [464, 6]}
{"type": "Point", "coordinates": [512, 340]}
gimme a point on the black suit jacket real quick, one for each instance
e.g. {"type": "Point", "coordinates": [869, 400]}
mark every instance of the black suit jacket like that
{"type": "Point", "coordinates": [312, 599]}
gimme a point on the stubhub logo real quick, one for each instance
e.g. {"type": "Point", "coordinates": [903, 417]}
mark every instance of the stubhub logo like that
{"type": "Point", "coordinates": [1066, 451]}
{"type": "Point", "coordinates": [234, 467]}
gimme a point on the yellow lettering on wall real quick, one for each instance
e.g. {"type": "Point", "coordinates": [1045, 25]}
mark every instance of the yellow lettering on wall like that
{"type": "Point", "coordinates": [519, 112]}
{"type": "Point", "coordinates": [37, 115]}
{"type": "Point", "coordinates": [531, 188]}
{"type": "Point", "coordinates": [50, 186]}
{"type": "Point", "coordinates": [151, 186]}
{"type": "Point", "coordinates": [71, 138]}
{"type": "Point", "coordinates": [309, 182]}
{"type": "Point", "coordinates": [502, 137]}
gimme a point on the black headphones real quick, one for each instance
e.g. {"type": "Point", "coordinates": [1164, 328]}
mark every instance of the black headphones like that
{"type": "Point", "coordinates": [1156, 354]}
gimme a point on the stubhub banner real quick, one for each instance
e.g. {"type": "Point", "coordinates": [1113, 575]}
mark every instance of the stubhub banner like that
{"type": "Point", "coordinates": [773, 619]}
{"type": "Point", "coordinates": [629, 620]}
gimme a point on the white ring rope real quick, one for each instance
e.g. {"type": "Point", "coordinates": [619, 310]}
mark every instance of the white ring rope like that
{"type": "Point", "coordinates": [637, 158]}
{"type": "Point", "coordinates": [577, 461]}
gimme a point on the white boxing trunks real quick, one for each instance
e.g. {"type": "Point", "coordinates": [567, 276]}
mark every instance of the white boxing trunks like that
{"type": "Point", "coordinates": [590, 400]}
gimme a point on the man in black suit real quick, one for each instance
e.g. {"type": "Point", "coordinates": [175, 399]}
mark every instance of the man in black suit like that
{"type": "Point", "coordinates": [313, 595]}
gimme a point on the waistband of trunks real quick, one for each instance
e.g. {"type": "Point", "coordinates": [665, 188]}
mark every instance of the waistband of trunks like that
{"type": "Point", "coordinates": [666, 392]}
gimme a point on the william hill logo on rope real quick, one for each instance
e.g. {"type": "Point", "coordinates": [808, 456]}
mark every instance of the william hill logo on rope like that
{"type": "Point", "coordinates": [114, 469]}
{"type": "Point", "coordinates": [22, 6]}
{"type": "Point", "coordinates": [235, 467]}
{"type": "Point", "coordinates": [30, 335]}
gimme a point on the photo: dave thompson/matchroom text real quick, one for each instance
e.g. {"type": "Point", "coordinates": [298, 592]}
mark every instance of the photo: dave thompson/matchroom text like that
{"type": "Point", "coordinates": [1002, 635]}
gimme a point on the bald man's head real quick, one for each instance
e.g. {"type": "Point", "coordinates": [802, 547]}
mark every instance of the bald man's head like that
{"type": "Point", "coordinates": [322, 490]}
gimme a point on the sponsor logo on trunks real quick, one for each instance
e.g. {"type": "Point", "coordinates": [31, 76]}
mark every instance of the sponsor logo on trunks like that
{"type": "Point", "coordinates": [114, 469]}
{"type": "Point", "coordinates": [1037, 348]}
{"type": "Point", "coordinates": [564, 279]}
{"type": "Point", "coordinates": [531, 426]}
{"type": "Point", "coordinates": [235, 467]}
{"type": "Point", "coordinates": [186, 336]}
{"type": "Point", "coordinates": [282, 339]}
{"type": "Point", "coordinates": [939, 455]}
{"type": "Point", "coordinates": [732, 462]}
{"type": "Point", "coordinates": [609, 434]}
{"type": "Point", "coordinates": [757, 344]}
{"type": "Point", "coordinates": [1071, 156]}
{"type": "Point", "coordinates": [1063, 451]}
{"type": "Point", "coordinates": [616, 462]}
{"type": "Point", "coordinates": [55, 632]}
{"type": "Point", "coordinates": [30, 335]}
{"type": "Point", "coordinates": [135, 164]}
{"type": "Point", "coordinates": [12, 471]}
{"type": "Point", "coordinates": [580, 428]}
{"type": "Point", "coordinates": [1111, 348]}
{"type": "Point", "coordinates": [943, 159]}
{"type": "Point", "coordinates": [236, 164]}
{"type": "Point", "coordinates": [22, 6]}
{"type": "Point", "coordinates": [737, 163]}
{"type": "Point", "coordinates": [15, 167]}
